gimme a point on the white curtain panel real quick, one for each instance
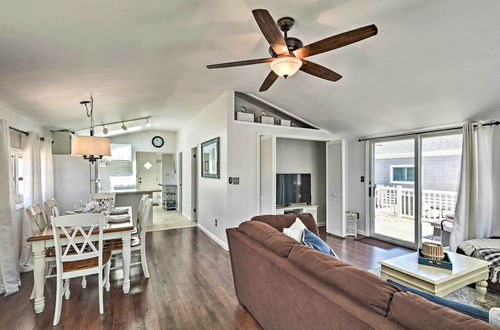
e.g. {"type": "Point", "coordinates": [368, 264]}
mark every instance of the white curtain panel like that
{"type": "Point", "coordinates": [32, 182]}
{"type": "Point", "coordinates": [9, 272]}
{"type": "Point", "coordinates": [474, 210]}
{"type": "Point", "coordinates": [47, 169]}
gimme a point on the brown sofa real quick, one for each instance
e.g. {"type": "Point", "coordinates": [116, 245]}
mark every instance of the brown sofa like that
{"type": "Point", "coordinates": [286, 285]}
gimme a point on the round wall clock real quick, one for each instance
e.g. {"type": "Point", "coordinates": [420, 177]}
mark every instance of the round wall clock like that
{"type": "Point", "coordinates": [158, 141]}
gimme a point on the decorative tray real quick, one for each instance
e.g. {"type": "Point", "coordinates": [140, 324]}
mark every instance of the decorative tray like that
{"type": "Point", "coordinates": [444, 264]}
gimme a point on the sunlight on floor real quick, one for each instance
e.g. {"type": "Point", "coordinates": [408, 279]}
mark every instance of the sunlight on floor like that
{"type": "Point", "coordinates": [164, 220]}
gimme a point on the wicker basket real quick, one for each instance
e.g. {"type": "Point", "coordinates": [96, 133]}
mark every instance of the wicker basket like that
{"type": "Point", "coordinates": [433, 250]}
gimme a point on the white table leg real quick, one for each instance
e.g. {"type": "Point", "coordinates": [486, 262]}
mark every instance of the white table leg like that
{"type": "Point", "coordinates": [126, 255]}
{"type": "Point", "coordinates": [481, 291]}
{"type": "Point", "coordinates": [38, 248]}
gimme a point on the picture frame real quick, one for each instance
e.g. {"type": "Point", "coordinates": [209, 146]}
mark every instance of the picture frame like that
{"type": "Point", "coordinates": [210, 158]}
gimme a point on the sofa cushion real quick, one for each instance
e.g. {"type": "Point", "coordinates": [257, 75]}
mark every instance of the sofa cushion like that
{"type": "Point", "coordinates": [281, 221]}
{"type": "Point", "coordinates": [361, 285]}
{"type": "Point", "coordinates": [268, 236]}
{"type": "Point", "coordinates": [408, 309]}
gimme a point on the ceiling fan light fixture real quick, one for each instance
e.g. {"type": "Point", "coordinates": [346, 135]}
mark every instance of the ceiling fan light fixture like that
{"type": "Point", "coordinates": [285, 66]}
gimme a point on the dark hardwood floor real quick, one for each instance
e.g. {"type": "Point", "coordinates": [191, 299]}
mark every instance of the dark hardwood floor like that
{"type": "Point", "coordinates": [190, 287]}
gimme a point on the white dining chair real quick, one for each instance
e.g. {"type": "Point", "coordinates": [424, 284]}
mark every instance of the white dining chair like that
{"type": "Point", "coordinates": [138, 242]}
{"type": "Point", "coordinates": [37, 217]}
{"type": "Point", "coordinates": [38, 222]}
{"type": "Point", "coordinates": [100, 197]}
{"type": "Point", "coordinates": [140, 209]}
{"type": "Point", "coordinates": [80, 256]}
{"type": "Point", "coordinates": [51, 209]}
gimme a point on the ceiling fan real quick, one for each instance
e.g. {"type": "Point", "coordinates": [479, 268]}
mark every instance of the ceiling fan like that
{"type": "Point", "coordinates": [288, 53]}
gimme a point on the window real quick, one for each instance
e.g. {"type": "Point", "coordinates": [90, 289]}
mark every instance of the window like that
{"type": "Point", "coordinates": [402, 174]}
{"type": "Point", "coordinates": [17, 167]}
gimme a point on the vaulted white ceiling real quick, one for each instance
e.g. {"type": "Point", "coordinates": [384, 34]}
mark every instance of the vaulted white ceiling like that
{"type": "Point", "coordinates": [432, 63]}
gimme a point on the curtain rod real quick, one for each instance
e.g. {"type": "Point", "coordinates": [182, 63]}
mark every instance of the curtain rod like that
{"type": "Point", "coordinates": [494, 123]}
{"type": "Point", "coordinates": [24, 132]}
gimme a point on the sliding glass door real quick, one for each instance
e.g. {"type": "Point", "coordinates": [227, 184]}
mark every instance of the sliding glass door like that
{"type": "Point", "coordinates": [414, 182]}
{"type": "Point", "coordinates": [441, 162]}
{"type": "Point", "coordinates": [393, 183]}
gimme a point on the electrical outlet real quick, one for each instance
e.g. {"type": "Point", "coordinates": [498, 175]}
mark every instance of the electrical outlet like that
{"type": "Point", "coordinates": [357, 215]}
{"type": "Point", "coordinates": [362, 179]}
{"type": "Point", "coordinates": [215, 222]}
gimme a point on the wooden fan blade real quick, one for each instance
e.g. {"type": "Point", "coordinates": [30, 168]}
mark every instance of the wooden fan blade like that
{"type": "Point", "coordinates": [270, 79]}
{"type": "Point", "coordinates": [270, 31]}
{"type": "Point", "coordinates": [336, 41]}
{"type": "Point", "coordinates": [319, 71]}
{"type": "Point", "coordinates": [239, 63]}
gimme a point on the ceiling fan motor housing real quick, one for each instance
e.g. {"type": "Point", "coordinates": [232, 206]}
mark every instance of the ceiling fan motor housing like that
{"type": "Point", "coordinates": [291, 42]}
{"type": "Point", "coordinates": [285, 24]}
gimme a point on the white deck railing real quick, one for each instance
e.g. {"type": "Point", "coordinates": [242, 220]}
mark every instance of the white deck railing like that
{"type": "Point", "coordinates": [400, 202]}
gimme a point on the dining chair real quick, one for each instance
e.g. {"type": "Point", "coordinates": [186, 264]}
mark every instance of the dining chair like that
{"type": "Point", "coordinates": [140, 209]}
{"type": "Point", "coordinates": [138, 242]}
{"type": "Point", "coordinates": [38, 222]}
{"type": "Point", "coordinates": [51, 209]}
{"type": "Point", "coordinates": [100, 197]}
{"type": "Point", "coordinates": [37, 217]}
{"type": "Point", "coordinates": [80, 255]}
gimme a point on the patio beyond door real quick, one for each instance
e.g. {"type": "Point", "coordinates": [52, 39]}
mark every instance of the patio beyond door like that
{"type": "Point", "coordinates": [394, 182]}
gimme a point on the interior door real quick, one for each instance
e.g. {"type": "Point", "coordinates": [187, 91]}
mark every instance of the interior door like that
{"type": "Point", "coordinates": [147, 171]}
{"type": "Point", "coordinates": [267, 146]}
{"type": "Point", "coordinates": [335, 188]}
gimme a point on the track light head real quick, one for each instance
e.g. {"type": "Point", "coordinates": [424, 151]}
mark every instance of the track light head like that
{"type": "Point", "coordinates": [124, 127]}
{"type": "Point", "coordinates": [104, 130]}
{"type": "Point", "coordinates": [148, 123]}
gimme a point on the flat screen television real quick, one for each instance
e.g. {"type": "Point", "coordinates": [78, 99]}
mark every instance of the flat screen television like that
{"type": "Point", "coordinates": [293, 188]}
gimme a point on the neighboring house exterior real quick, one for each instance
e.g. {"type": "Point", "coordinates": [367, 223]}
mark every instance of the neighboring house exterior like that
{"type": "Point", "coordinates": [394, 163]}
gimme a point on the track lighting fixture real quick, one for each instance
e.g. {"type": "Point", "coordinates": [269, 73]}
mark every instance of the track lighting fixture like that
{"type": "Point", "coordinates": [148, 124]}
{"type": "Point", "coordinates": [124, 127]}
{"type": "Point", "coordinates": [104, 130]}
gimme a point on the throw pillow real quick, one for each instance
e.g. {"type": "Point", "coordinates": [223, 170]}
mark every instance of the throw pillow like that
{"type": "Point", "coordinates": [310, 239]}
{"type": "Point", "coordinates": [296, 230]}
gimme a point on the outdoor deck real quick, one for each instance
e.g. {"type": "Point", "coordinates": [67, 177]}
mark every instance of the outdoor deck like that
{"type": "Point", "coordinates": [395, 211]}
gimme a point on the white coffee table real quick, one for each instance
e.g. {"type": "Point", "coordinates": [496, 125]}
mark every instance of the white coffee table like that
{"type": "Point", "coordinates": [440, 282]}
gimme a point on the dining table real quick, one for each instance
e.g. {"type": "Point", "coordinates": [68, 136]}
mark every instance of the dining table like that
{"type": "Point", "coordinates": [44, 239]}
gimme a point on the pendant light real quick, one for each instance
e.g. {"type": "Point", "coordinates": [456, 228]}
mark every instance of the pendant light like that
{"type": "Point", "coordinates": [90, 147]}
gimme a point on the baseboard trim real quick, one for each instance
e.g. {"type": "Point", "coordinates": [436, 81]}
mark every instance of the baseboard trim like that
{"type": "Point", "coordinates": [187, 216]}
{"type": "Point", "coordinates": [362, 232]}
{"type": "Point", "coordinates": [213, 237]}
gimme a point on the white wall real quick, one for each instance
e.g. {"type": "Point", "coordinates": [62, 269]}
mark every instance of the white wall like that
{"type": "Point", "coordinates": [217, 199]}
{"type": "Point", "coordinates": [212, 202]}
{"type": "Point", "coordinates": [305, 156]}
{"type": "Point", "coordinates": [243, 199]}
{"type": "Point", "coordinates": [355, 189]}
{"type": "Point", "coordinates": [141, 141]}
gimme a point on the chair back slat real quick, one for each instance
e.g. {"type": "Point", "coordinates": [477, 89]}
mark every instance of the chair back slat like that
{"type": "Point", "coordinates": [51, 209]}
{"type": "Point", "coordinates": [36, 217]}
{"type": "Point", "coordinates": [102, 197]}
{"type": "Point", "coordinates": [143, 219]}
{"type": "Point", "coordinates": [78, 229]}
{"type": "Point", "coordinates": [140, 209]}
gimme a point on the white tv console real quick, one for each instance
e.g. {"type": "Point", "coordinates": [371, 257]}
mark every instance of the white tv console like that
{"type": "Point", "coordinates": [299, 209]}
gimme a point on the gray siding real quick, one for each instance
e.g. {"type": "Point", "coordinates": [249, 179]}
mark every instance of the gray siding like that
{"type": "Point", "coordinates": [438, 172]}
